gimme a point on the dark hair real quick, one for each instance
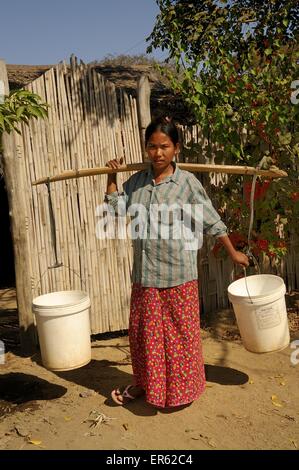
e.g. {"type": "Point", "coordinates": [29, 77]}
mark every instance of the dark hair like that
{"type": "Point", "coordinates": [165, 125]}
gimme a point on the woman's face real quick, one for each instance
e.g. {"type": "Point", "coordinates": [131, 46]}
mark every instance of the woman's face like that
{"type": "Point", "coordinates": [161, 150]}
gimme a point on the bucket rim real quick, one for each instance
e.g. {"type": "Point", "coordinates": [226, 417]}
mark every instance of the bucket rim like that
{"type": "Point", "coordinates": [282, 288]}
{"type": "Point", "coordinates": [84, 298]}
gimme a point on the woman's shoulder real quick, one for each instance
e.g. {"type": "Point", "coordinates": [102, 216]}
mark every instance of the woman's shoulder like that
{"type": "Point", "coordinates": [189, 178]}
{"type": "Point", "coordinates": [136, 179]}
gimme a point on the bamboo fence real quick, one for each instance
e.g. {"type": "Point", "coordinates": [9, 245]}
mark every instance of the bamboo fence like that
{"type": "Point", "coordinates": [86, 127]}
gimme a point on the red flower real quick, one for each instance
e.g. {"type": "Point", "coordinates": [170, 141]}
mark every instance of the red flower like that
{"type": "Point", "coordinates": [260, 190]}
{"type": "Point", "coordinates": [280, 244]}
{"type": "Point", "coordinates": [295, 196]}
{"type": "Point", "coordinates": [262, 245]}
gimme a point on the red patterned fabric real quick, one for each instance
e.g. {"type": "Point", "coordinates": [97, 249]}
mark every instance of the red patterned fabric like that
{"type": "Point", "coordinates": [165, 343]}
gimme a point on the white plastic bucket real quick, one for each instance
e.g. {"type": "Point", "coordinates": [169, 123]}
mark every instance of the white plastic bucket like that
{"type": "Point", "coordinates": [63, 327]}
{"type": "Point", "coordinates": [261, 315]}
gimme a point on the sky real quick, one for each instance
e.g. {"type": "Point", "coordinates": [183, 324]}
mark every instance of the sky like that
{"type": "Point", "coordinates": [47, 31]}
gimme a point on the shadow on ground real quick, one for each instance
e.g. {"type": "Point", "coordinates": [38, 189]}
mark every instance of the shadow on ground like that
{"type": "Point", "coordinates": [19, 392]}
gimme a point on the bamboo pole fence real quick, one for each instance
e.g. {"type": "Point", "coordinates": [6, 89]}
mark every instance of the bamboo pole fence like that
{"type": "Point", "coordinates": [86, 127]}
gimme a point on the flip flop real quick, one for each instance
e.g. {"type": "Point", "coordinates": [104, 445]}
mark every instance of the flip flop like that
{"type": "Point", "coordinates": [115, 394]}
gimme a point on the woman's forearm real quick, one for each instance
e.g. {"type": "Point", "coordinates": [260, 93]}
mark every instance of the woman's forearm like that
{"type": "Point", "coordinates": [111, 183]}
{"type": "Point", "coordinates": [227, 244]}
{"type": "Point", "coordinates": [237, 256]}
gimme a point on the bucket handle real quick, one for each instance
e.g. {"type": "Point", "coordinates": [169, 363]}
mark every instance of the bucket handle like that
{"type": "Point", "coordinates": [55, 267]}
{"type": "Point", "coordinates": [246, 285]}
{"type": "Point", "coordinates": [252, 262]}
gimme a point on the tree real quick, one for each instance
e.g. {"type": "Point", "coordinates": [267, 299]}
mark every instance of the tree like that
{"type": "Point", "coordinates": [20, 106]}
{"type": "Point", "coordinates": [238, 63]}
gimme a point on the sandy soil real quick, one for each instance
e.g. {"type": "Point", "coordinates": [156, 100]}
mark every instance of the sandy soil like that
{"type": "Point", "coordinates": [251, 400]}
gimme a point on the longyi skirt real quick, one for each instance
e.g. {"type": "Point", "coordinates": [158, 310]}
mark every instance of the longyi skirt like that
{"type": "Point", "coordinates": [165, 344]}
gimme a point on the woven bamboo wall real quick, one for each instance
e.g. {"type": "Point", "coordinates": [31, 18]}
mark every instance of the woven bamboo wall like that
{"type": "Point", "coordinates": [86, 127]}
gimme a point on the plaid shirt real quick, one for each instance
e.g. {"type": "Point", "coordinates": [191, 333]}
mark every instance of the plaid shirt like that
{"type": "Point", "coordinates": [160, 262]}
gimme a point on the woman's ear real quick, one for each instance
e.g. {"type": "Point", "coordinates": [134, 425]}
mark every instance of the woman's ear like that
{"type": "Point", "coordinates": [177, 149]}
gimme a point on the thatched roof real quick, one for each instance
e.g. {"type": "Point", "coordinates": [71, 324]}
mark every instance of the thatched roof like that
{"type": "Point", "coordinates": [163, 100]}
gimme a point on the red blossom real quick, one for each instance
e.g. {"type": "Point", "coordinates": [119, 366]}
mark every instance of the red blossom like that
{"type": "Point", "coordinates": [262, 245]}
{"type": "Point", "coordinates": [259, 192]}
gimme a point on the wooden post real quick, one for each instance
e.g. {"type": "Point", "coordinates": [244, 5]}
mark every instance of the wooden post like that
{"type": "Point", "coordinates": [12, 164]}
{"type": "Point", "coordinates": [4, 88]}
{"type": "Point", "coordinates": [144, 109]}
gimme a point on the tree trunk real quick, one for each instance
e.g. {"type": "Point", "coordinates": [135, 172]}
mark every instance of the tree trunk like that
{"type": "Point", "coordinates": [12, 160]}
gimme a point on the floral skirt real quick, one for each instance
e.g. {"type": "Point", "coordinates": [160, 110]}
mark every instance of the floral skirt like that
{"type": "Point", "coordinates": [165, 344]}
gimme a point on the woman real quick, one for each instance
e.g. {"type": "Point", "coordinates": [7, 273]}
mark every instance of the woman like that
{"type": "Point", "coordinates": [164, 328]}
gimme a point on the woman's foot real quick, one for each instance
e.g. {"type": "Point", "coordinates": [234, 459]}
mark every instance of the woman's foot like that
{"type": "Point", "coordinates": [127, 394]}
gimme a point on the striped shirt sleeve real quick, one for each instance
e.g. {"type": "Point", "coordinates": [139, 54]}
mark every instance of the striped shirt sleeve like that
{"type": "Point", "coordinates": [212, 223]}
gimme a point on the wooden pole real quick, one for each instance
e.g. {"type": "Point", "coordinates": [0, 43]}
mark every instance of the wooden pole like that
{"type": "Point", "coordinates": [12, 166]}
{"type": "Point", "coordinates": [4, 88]}
{"type": "Point", "coordinates": [193, 167]}
{"type": "Point", "coordinates": [144, 109]}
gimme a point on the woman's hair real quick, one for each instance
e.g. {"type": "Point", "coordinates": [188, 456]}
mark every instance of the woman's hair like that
{"type": "Point", "coordinates": [165, 125]}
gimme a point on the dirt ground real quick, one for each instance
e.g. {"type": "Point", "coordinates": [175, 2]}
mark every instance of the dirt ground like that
{"type": "Point", "coordinates": [251, 400]}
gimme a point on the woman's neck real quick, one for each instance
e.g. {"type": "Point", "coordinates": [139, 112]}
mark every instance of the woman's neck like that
{"type": "Point", "coordinates": [161, 175]}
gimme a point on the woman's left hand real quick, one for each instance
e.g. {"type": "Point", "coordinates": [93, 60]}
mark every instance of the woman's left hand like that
{"type": "Point", "coordinates": [240, 258]}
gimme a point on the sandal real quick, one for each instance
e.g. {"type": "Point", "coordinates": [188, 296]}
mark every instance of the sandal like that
{"type": "Point", "coordinates": [115, 394]}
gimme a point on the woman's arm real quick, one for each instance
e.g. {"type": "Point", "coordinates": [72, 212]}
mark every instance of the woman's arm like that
{"type": "Point", "coordinates": [112, 180]}
{"type": "Point", "coordinates": [237, 256]}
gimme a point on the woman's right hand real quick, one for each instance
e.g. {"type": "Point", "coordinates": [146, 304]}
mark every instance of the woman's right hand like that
{"type": "Point", "coordinates": [115, 163]}
{"type": "Point", "coordinates": [112, 181]}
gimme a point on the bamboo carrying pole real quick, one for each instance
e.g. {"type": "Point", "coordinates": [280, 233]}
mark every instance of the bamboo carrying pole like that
{"type": "Point", "coordinates": [193, 167]}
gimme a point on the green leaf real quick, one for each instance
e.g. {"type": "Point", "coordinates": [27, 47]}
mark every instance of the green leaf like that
{"type": "Point", "coordinates": [20, 111]}
{"type": "Point", "coordinates": [198, 87]}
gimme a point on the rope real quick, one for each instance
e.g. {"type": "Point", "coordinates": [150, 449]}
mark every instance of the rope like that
{"type": "Point", "coordinates": [251, 203]}
{"type": "Point", "coordinates": [53, 227]}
